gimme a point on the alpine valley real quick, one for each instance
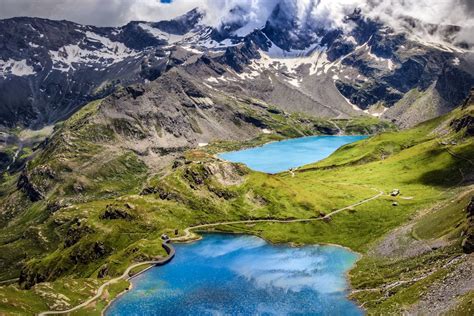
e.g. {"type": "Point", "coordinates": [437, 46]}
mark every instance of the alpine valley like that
{"type": "Point", "coordinates": [111, 139]}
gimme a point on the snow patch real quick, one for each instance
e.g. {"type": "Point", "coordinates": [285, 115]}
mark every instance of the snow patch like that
{"type": "Point", "coordinates": [193, 50]}
{"type": "Point", "coordinates": [379, 113]}
{"type": "Point", "coordinates": [212, 79]}
{"type": "Point", "coordinates": [110, 53]}
{"type": "Point", "coordinates": [390, 65]}
{"type": "Point", "coordinates": [17, 68]}
{"type": "Point", "coordinates": [294, 82]}
{"type": "Point", "coordinates": [276, 52]}
{"type": "Point", "coordinates": [159, 34]}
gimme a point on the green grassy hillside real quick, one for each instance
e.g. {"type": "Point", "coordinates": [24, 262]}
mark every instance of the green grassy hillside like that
{"type": "Point", "coordinates": [85, 210]}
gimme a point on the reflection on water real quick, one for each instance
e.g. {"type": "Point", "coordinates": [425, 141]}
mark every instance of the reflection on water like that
{"type": "Point", "coordinates": [243, 275]}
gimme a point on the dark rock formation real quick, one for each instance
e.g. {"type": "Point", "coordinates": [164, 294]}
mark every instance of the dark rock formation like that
{"type": "Point", "coordinates": [466, 122]}
{"type": "Point", "coordinates": [196, 176]}
{"type": "Point", "coordinates": [52, 68]}
{"type": "Point", "coordinates": [103, 272]}
{"type": "Point", "coordinates": [75, 232]}
{"type": "Point", "coordinates": [28, 278]}
{"type": "Point", "coordinates": [468, 242]}
{"type": "Point", "coordinates": [29, 188]}
{"type": "Point", "coordinates": [114, 212]}
{"type": "Point", "coordinates": [89, 252]}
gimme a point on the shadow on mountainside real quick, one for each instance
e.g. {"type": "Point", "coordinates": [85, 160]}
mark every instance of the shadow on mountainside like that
{"type": "Point", "coordinates": [455, 172]}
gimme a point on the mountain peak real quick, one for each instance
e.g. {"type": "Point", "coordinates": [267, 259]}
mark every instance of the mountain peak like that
{"type": "Point", "coordinates": [182, 24]}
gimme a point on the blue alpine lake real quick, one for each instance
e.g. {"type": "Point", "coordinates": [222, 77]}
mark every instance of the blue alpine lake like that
{"type": "Point", "coordinates": [283, 155]}
{"type": "Point", "coordinates": [243, 275]}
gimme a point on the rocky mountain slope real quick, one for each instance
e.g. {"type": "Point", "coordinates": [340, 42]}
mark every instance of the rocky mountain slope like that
{"type": "Point", "coordinates": [87, 208]}
{"type": "Point", "coordinates": [139, 112]}
{"type": "Point", "coordinates": [49, 69]}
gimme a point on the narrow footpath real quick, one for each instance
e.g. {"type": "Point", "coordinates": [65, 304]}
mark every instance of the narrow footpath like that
{"type": "Point", "coordinates": [125, 276]}
{"type": "Point", "coordinates": [189, 236]}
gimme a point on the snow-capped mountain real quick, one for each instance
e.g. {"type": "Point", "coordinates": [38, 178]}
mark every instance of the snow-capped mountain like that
{"type": "Point", "coordinates": [49, 69]}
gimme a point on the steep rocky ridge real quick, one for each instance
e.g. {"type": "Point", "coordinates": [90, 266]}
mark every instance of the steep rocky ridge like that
{"type": "Point", "coordinates": [49, 69]}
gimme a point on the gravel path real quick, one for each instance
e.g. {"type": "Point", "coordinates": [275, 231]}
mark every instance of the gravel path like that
{"type": "Point", "coordinates": [125, 276]}
{"type": "Point", "coordinates": [189, 235]}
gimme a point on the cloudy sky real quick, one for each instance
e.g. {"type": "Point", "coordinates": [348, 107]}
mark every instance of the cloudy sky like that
{"type": "Point", "coordinates": [119, 12]}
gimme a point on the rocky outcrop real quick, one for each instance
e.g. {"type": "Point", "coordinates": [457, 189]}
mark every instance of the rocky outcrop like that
{"type": "Point", "coordinates": [40, 84]}
{"type": "Point", "coordinates": [5, 161]}
{"type": "Point", "coordinates": [90, 252]}
{"type": "Point", "coordinates": [163, 193]}
{"type": "Point", "coordinates": [466, 122]}
{"type": "Point", "coordinates": [35, 183]}
{"type": "Point", "coordinates": [29, 188]}
{"type": "Point", "coordinates": [75, 232]}
{"type": "Point", "coordinates": [28, 278]}
{"type": "Point", "coordinates": [468, 242]}
{"type": "Point", "coordinates": [115, 212]}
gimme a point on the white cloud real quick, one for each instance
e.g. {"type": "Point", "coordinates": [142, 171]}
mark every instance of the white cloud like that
{"type": "Point", "coordinates": [329, 13]}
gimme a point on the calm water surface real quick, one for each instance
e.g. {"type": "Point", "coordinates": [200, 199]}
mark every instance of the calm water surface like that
{"type": "Point", "coordinates": [243, 275]}
{"type": "Point", "coordinates": [280, 156]}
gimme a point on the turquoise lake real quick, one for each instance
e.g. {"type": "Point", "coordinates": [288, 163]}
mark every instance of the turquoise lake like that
{"type": "Point", "coordinates": [280, 156]}
{"type": "Point", "coordinates": [243, 275]}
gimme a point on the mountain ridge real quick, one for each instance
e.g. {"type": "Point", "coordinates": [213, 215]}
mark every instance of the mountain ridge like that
{"type": "Point", "coordinates": [133, 118]}
{"type": "Point", "coordinates": [48, 83]}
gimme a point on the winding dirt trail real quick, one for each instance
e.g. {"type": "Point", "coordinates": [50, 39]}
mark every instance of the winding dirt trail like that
{"type": "Point", "coordinates": [125, 276]}
{"type": "Point", "coordinates": [189, 236]}
{"type": "Point", "coordinates": [9, 281]}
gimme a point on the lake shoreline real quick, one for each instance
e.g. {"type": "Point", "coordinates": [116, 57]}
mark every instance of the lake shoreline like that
{"type": "Point", "coordinates": [332, 148]}
{"type": "Point", "coordinates": [203, 234]}
{"type": "Point", "coordinates": [288, 154]}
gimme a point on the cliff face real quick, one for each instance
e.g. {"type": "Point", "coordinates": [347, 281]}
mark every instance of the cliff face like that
{"type": "Point", "coordinates": [50, 69]}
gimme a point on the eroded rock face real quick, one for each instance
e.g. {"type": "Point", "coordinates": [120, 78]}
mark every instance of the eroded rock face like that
{"type": "Point", "coordinates": [114, 212]}
{"type": "Point", "coordinates": [49, 69]}
{"type": "Point", "coordinates": [29, 188]}
{"type": "Point", "coordinates": [89, 253]}
{"type": "Point", "coordinates": [465, 122]}
{"type": "Point", "coordinates": [29, 278]}
{"type": "Point", "coordinates": [35, 183]}
{"type": "Point", "coordinates": [468, 242]}
{"type": "Point", "coordinates": [163, 193]}
{"type": "Point", "coordinates": [75, 232]}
